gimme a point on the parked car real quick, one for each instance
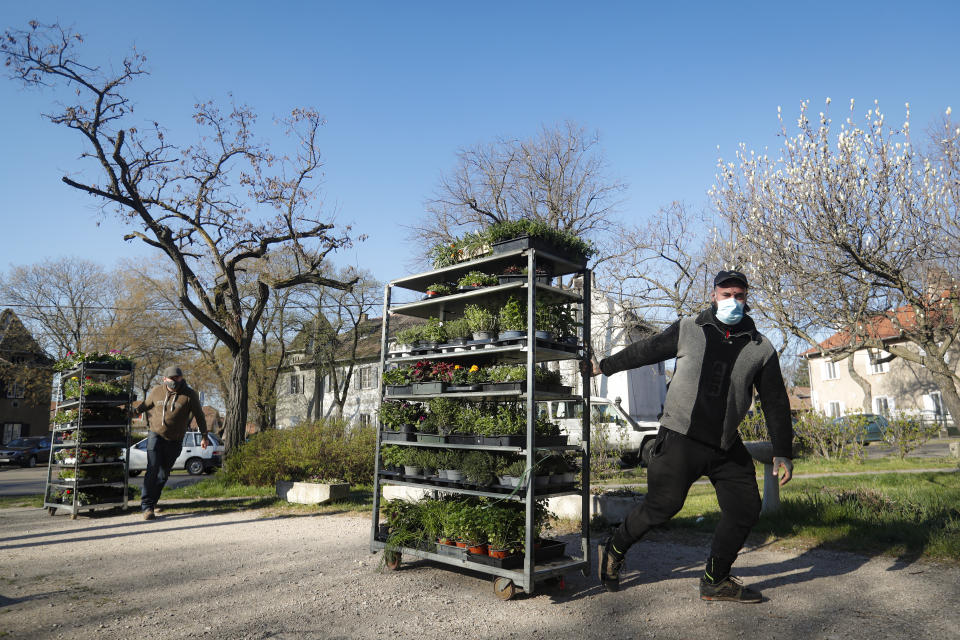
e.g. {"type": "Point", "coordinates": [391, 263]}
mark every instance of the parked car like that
{"type": "Point", "coordinates": [609, 416]}
{"type": "Point", "coordinates": [193, 457]}
{"type": "Point", "coordinates": [876, 426]}
{"type": "Point", "coordinates": [26, 452]}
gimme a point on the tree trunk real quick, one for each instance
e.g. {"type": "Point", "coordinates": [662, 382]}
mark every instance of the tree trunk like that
{"type": "Point", "coordinates": [235, 422]}
{"type": "Point", "coordinates": [948, 392]}
{"type": "Point", "coordinates": [865, 385]}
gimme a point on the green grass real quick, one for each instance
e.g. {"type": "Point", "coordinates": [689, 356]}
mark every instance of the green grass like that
{"type": "Point", "coordinates": [216, 487]}
{"type": "Point", "coordinates": [6, 502]}
{"type": "Point", "coordinates": [811, 465]}
{"type": "Point", "coordinates": [905, 515]}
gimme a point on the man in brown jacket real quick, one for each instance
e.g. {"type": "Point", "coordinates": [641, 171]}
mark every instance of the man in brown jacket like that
{"type": "Point", "coordinates": [169, 407]}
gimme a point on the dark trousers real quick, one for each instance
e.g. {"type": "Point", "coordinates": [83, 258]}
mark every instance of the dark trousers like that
{"type": "Point", "coordinates": [161, 454]}
{"type": "Point", "coordinates": [675, 464]}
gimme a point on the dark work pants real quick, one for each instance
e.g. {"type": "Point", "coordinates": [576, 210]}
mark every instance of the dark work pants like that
{"type": "Point", "coordinates": [675, 464]}
{"type": "Point", "coordinates": [161, 454]}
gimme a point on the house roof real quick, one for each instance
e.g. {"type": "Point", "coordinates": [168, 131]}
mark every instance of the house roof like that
{"type": "Point", "coordinates": [15, 339]}
{"type": "Point", "coordinates": [886, 327]}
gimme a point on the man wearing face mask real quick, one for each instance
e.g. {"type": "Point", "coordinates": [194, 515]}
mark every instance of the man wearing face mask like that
{"type": "Point", "coordinates": [721, 358]}
{"type": "Point", "coordinates": [170, 407]}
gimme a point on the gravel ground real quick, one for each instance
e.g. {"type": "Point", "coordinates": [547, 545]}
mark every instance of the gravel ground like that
{"type": "Point", "coordinates": [312, 576]}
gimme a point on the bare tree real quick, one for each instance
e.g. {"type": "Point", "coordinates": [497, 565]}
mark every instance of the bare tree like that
{"type": "Point", "coordinates": [664, 269]}
{"type": "Point", "coordinates": [852, 230]}
{"type": "Point", "coordinates": [558, 176]}
{"type": "Point", "coordinates": [66, 303]}
{"type": "Point", "coordinates": [339, 328]}
{"type": "Point", "coordinates": [190, 203]}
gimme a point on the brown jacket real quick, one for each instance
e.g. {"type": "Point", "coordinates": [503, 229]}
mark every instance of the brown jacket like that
{"type": "Point", "coordinates": [169, 412]}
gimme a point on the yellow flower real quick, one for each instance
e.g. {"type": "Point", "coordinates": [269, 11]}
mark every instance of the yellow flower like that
{"type": "Point", "coordinates": [456, 367]}
{"type": "Point", "coordinates": [474, 368]}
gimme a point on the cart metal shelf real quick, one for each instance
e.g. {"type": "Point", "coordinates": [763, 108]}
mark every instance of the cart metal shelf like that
{"type": "Point", "coordinates": [528, 350]}
{"type": "Point", "coordinates": [83, 372]}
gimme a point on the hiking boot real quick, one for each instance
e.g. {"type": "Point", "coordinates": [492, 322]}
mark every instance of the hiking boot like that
{"type": "Point", "coordinates": [729, 588]}
{"type": "Point", "coordinates": [610, 565]}
{"type": "Point", "coordinates": [148, 515]}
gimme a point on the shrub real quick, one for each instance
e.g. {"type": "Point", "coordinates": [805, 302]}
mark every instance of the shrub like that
{"type": "Point", "coordinates": [838, 438]}
{"type": "Point", "coordinates": [459, 328]}
{"type": "Point", "coordinates": [905, 434]}
{"type": "Point", "coordinates": [328, 448]}
{"type": "Point", "coordinates": [513, 315]}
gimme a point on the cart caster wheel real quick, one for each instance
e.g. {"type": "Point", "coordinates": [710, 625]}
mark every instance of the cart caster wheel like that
{"type": "Point", "coordinates": [391, 560]}
{"type": "Point", "coordinates": [504, 588]}
{"type": "Point", "coordinates": [52, 511]}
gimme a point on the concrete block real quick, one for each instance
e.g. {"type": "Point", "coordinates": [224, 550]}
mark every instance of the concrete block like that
{"type": "Point", "coordinates": [311, 492]}
{"type": "Point", "coordinates": [613, 509]}
{"type": "Point", "coordinates": [955, 449]}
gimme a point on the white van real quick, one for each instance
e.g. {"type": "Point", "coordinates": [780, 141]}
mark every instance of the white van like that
{"type": "Point", "coordinates": [609, 423]}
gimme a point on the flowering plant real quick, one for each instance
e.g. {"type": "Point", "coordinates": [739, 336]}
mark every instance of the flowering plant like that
{"type": "Point", "coordinates": [73, 387]}
{"type": "Point", "coordinates": [427, 371]}
{"type": "Point", "coordinates": [73, 359]}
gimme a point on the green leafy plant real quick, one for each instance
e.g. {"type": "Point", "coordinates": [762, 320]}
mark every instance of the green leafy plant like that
{"type": "Point", "coordinates": [444, 411]}
{"type": "Point", "coordinates": [440, 289]}
{"type": "Point", "coordinates": [513, 315]}
{"type": "Point", "coordinates": [65, 417]}
{"type": "Point", "coordinates": [477, 279]}
{"type": "Point", "coordinates": [566, 324]}
{"type": "Point", "coordinates": [449, 459]}
{"type": "Point", "coordinates": [73, 387]}
{"type": "Point", "coordinates": [397, 377]}
{"type": "Point", "coordinates": [480, 467]}
{"type": "Point", "coordinates": [564, 240]}
{"type": "Point", "coordinates": [391, 455]}
{"type": "Point", "coordinates": [395, 413]}
{"type": "Point", "coordinates": [434, 331]}
{"type": "Point", "coordinates": [410, 335]}
{"type": "Point", "coordinates": [424, 458]}
{"type": "Point", "coordinates": [546, 316]}
{"type": "Point", "coordinates": [479, 318]}
{"type": "Point", "coordinates": [458, 328]}
{"type": "Point", "coordinates": [505, 526]}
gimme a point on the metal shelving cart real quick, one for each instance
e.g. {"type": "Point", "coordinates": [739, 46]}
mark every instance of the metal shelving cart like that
{"type": "Point", "coordinates": [527, 350]}
{"type": "Point", "coordinates": [98, 446]}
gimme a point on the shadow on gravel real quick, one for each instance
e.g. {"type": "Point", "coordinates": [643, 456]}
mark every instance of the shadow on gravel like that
{"type": "Point", "coordinates": [7, 602]}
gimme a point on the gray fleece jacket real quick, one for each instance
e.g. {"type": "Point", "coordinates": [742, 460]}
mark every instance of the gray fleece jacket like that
{"type": "Point", "coordinates": [718, 366]}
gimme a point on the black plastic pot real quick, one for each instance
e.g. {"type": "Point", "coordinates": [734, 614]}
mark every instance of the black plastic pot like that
{"type": "Point", "coordinates": [539, 244]}
{"type": "Point", "coordinates": [397, 389]}
{"type": "Point", "coordinates": [423, 388]}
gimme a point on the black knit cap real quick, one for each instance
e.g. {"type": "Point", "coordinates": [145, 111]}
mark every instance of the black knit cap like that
{"type": "Point", "coordinates": [171, 371]}
{"type": "Point", "coordinates": [727, 276]}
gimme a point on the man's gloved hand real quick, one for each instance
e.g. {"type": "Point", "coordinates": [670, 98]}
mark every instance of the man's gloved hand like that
{"type": "Point", "coordinates": [787, 465]}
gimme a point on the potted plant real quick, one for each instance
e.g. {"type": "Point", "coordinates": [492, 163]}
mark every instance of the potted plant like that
{"type": "Point", "coordinates": [476, 280]}
{"type": "Point", "coordinates": [430, 377]}
{"type": "Point", "coordinates": [392, 457]}
{"type": "Point", "coordinates": [426, 460]}
{"type": "Point", "coordinates": [480, 468]}
{"type": "Point", "coordinates": [462, 378]}
{"type": "Point", "coordinates": [433, 334]}
{"type": "Point", "coordinates": [397, 381]}
{"type": "Point", "coordinates": [566, 325]}
{"type": "Point", "coordinates": [458, 332]}
{"type": "Point", "coordinates": [439, 289]}
{"type": "Point", "coordinates": [409, 462]}
{"type": "Point", "coordinates": [482, 322]}
{"type": "Point", "coordinates": [538, 235]}
{"type": "Point", "coordinates": [444, 411]}
{"type": "Point", "coordinates": [512, 319]}
{"type": "Point", "coordinates": [407, 339]}
{"type": "Point", "coordinates": [504, 530]}
{"type": "Point", "coordinates": [450, 461]}
{"type": "Point", "coordinates": [545, 320]}
{"type": "Point", "coordinates": [513, 472]}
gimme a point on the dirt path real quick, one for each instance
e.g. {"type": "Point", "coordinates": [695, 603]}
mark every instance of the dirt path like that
{"type": "Point", "coordinates": [248, 575]}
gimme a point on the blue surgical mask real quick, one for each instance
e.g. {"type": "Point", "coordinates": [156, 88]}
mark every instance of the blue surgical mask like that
{"type": "Point", "coordinates": [729, 311]}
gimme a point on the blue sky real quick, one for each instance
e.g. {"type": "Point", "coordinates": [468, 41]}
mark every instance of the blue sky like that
{"type": "Point", "coordinates": [404, 85]}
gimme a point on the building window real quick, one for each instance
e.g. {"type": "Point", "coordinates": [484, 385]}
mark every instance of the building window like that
{"type": "Point", "coordinates": [937, 399]}
{"type": "Point", "coordinates": [364, 420]}
{"type": "Point", "coordinates": [11, 431]}
{"type": "Point", "coordinates": [882, 405]}
{"type": "Point", "coordinates": [368, 378]}
{"type": "Point", "coordinates": [15, 390]}
{"type": "Point", "coordinates": [296, 384]}
{"type": "Point", "coordinates": [833, 409]}
{"type": "Point", "coordinates": [829, 370]}
{"type": "Point", "coordinates": [879, 367]}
